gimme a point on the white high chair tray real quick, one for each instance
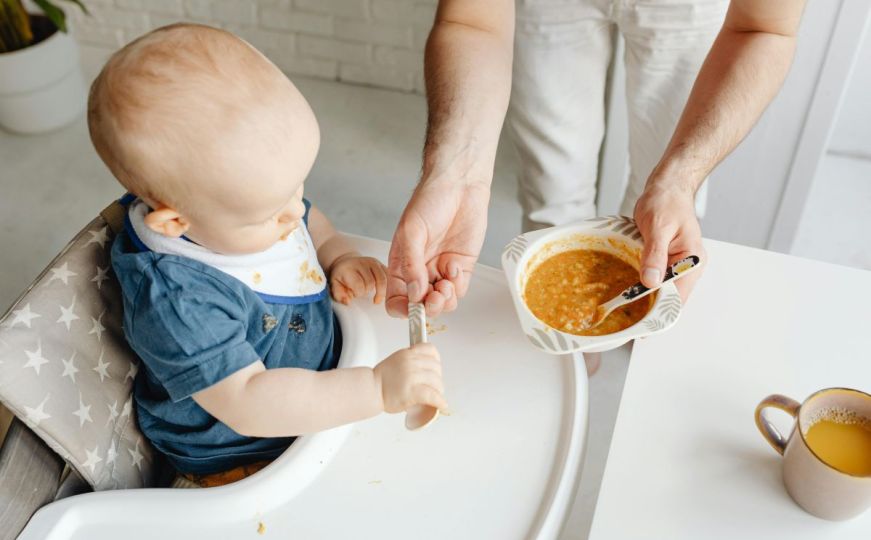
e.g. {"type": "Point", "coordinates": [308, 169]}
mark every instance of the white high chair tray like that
{"type": "Point", "coordinates": [503, 465]}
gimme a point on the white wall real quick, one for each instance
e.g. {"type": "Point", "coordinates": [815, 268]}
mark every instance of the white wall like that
{"type": "Point", "coordinates": [746, 190]}
{"type": "Point", "coordinates": [373, 42]}
{"type": "Point", "coordinates": [852, 135]}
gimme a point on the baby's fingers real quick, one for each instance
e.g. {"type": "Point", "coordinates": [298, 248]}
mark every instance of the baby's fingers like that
{"type": "Point", "coordinates": [427, 365]}
{"type": "Point", "coordinates": [359, 282]}
{"type": "Point", "coordinates": [339, 291]}
{"type": "Point", "coordinates": [380, 279]}
{"type": "Point", "coordinates": [353, 284]}
{"type": "Point", "coordinates": [427, 395]}
{"type": "Point", "coordinates": [431, 379]}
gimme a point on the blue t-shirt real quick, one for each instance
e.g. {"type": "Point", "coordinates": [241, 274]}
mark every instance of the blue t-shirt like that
{"type": "Point", "coordinates": [193, 325]}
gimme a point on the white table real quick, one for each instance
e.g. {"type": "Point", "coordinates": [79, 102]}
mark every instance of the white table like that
{"type": "Point", "coordinates": [686, 460]}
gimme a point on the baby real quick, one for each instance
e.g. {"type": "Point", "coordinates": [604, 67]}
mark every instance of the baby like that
{"type": "Point", "coordinates": [226, 270]}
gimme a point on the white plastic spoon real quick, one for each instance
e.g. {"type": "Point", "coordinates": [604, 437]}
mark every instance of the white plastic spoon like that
{"type": "Point", "coordinates": [639, 290]}
{"type": "Point", "coordinates": [419, 416]}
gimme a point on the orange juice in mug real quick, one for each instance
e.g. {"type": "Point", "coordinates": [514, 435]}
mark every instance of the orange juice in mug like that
{"type": "Point", "coordinates": [827, 457]}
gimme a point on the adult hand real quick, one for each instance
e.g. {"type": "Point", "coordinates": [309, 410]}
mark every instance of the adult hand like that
{"type": "Point", "coordinates": [666, 216]}
{"type": "Point", "coordinates": [435, 246]}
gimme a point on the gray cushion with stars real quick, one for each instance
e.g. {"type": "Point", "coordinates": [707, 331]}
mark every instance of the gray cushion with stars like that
{"type": "Point", "coordinates": [66, 370]}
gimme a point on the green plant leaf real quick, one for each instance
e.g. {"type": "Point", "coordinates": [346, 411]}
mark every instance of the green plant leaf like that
{"type": "Point", "coordinates": [81, 5]}
{"type": "Point", "coordinates": [55, 14]}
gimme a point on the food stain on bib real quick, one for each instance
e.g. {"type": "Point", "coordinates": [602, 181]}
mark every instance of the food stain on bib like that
{"type": "Point", "coordinates": [310, 274]}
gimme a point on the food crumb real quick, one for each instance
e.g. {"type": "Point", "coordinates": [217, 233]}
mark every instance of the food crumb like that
{"type": "Point", "coordinates": [257, 278]}
{"type": "Point", "coordinates": [374, 482]}
{"type": "Point", "coordinates": [430, 329]}
{"type": "Point", "coordinates": [261, 528]}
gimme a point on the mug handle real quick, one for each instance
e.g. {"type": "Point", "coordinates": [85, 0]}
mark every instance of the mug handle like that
{"type": "Point", "coordinates": [766, 428]}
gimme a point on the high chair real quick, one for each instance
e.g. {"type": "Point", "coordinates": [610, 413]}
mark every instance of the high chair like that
{"type": "Point", "coordinates": [505, 464]}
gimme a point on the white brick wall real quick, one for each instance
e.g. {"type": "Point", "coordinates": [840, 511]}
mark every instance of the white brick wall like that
{"type": "Point", "coordinates": [371, 42]}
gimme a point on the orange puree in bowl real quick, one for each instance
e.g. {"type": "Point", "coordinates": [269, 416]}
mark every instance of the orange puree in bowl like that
{"type": "Point", "coordinates": [564, 291]}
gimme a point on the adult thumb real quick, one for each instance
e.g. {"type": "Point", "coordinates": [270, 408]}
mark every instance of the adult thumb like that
{"type": "Point", "coordinates": [654, 257]}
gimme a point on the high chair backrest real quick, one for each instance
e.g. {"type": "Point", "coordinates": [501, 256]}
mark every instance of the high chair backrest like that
{"type": "Point", "coordinates": [65, 368]}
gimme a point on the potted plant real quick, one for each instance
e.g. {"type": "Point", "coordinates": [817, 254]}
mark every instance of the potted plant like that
{"type": "Point", "coordinates": [41, 85]}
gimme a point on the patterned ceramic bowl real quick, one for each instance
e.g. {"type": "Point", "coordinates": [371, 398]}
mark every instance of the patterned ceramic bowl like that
{"type": "Point", "coordinates": [616, 235]}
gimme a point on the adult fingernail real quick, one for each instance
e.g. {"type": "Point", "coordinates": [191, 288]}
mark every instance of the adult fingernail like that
{"type": "Point", "coordinates": [413, 291]}
{"type": "Point", "coordinates": [453, 270]}
{"type": "Point", "coordinates": [651, 276]}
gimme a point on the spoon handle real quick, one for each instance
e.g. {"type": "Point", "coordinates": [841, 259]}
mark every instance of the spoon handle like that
{"type": "Point", "coordinates": [419, 416]}
{"type": "Point", "coordinates": [416, 324]}
{"type": "Point", "coordinates": [639, 290]}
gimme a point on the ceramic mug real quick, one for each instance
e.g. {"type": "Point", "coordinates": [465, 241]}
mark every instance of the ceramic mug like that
{"type": "Point", "coordinates": [815, 485]}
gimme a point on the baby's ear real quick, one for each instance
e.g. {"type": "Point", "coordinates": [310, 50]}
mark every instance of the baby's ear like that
{"type": "Point", "coordinates": [167, 222]}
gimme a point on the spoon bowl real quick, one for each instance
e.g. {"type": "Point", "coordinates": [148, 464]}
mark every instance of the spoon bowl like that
{"type": "Point", "coordinates": [632, 293]}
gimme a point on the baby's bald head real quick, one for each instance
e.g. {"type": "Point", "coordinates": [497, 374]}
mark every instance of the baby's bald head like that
{"type": "Point", "coordinates": [194, 118]}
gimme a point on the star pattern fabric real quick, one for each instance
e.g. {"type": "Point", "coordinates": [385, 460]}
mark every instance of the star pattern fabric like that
{"type": "Point", "coordinates": [98, 327]}
{"type": "Point", "coordinates": [101, 276]}
{"type": "Point", "coordinates": [67, 372]}
{"type": "Point", "coordinates": [37, 414]}
{"type": "Point", "coordinates": [62, 273]}
{"type": "Point", "coordinates": [100, 237]}
{"type": "Point", "coordinates": [67, 314]}
{"type": "Point", "coordinates": [102, 368]}
{"type": "Point", "coordinates": [70, 368]}
{"type": "Point", "coordinates": [23, 316]}
{"type": "Point", "coordinates": [35, 359]}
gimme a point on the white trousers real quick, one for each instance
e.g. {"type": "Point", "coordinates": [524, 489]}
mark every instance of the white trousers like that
{"type": "Point", "coordinates": [556, 117]}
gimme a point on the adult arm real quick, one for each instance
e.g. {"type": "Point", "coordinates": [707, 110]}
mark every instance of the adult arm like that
{"type": "Point", "coordinates": [743, 72]}
{"type": "Point", "coordinates": [468, 81]}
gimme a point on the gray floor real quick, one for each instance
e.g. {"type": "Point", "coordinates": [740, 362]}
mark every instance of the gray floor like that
{"type": "Point", "coordinates": [53, 184]}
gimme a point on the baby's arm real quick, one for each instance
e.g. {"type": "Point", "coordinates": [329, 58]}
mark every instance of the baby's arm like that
{"type": "Point", "coordinates": [351, 275]}
{"type": "Point", "coordinates": [283, 402]}
{"type": "Point", "coordinates": [329, 243]}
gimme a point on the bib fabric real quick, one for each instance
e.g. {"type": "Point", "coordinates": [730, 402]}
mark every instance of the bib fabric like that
{"type": "Point", "coordinates": [286, 273]}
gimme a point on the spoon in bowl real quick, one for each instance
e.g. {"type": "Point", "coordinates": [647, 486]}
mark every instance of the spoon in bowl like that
{"type": "Point", "coordinates": [678, 270]}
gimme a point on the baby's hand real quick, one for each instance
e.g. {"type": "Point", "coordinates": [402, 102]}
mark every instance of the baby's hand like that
{"type": "Point", "coordinates": [354, 276]}
{"type": "Point", "coordinates": [411, 377]}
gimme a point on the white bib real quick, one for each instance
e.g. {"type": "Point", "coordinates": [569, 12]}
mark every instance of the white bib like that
{"type": "Point", "coordinates": [286, 273]}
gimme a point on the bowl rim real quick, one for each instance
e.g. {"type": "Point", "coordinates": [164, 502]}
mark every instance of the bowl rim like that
{"type": "Point", "coordinates": [662, 315]}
